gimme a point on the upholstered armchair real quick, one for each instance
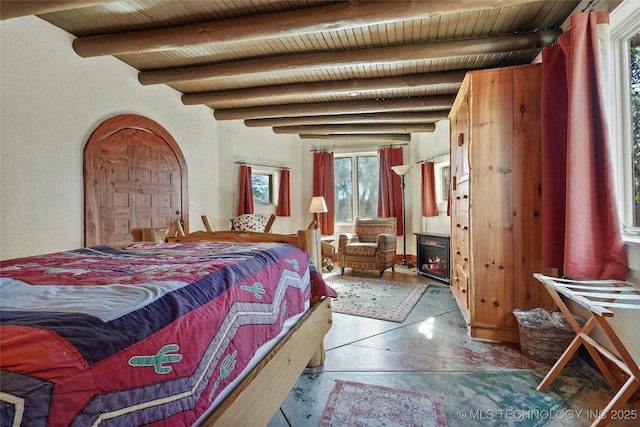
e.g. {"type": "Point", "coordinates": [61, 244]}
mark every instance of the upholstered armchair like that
{"type": "Point", "coordinates": [371, 247]}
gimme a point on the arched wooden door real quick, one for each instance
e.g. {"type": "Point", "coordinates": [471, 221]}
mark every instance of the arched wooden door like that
{"type": "Point", "coordinates": [134, 176]}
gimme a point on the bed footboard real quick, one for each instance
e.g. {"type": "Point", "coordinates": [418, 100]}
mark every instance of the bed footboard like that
{"type": "Point", "coordinates": [308, 240]}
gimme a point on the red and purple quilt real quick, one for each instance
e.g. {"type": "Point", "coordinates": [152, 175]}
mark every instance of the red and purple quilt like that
{"type": "Point", "coordinates": [148, 333]}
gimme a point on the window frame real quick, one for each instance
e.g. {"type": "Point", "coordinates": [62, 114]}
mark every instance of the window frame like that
{"type": "Point", "coordinates": [442, 186]}
{"type": "Point", "coordinates": [272, 187]}
{"type": "Point", "coordinates": [624, 22]}
{"type": "Point", "coordinates": [355, 199]}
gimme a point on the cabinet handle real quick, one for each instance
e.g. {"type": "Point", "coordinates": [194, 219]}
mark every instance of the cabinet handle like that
{"type": "Point", "coordinates": [465, 228]}
{"type": "Point", "coordinates": [458, 225]}
{"type": "Point", "coordinates": [458, 252]}
{"type": "Point", "coordinates": [465, 259]}
{"type": "Point", "coordinates": [463, 290]}
{"type": "Point", "coordinates": [460, 139]}
{"type": "Point", "coordinates": [466, 196]}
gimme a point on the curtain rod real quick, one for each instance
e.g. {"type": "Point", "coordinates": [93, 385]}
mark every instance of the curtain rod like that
{"type": "Point", "coordinates": [432, 158]}
{"type": "Point", "coordinates": [316, 150]}
{"type": "Point", "coordinates": [590, 6]}
{"type": "Point", "coordinates": [239, 162]}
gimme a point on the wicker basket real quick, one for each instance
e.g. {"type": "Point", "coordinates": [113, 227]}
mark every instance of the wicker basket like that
{"type": "Point", "coordinates": [544, 334]}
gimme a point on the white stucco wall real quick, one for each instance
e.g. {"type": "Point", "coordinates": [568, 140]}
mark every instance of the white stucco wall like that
{"type": "Point", "coordinates": [260, 145]}
{"type": "Point", "coordinates": [51, 101]}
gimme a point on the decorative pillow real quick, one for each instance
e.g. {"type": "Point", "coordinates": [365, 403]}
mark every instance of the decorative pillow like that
{"type": "Point", "coordinates": [250, 222]}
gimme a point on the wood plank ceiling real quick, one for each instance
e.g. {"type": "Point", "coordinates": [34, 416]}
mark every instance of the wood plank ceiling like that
{"type": "Point", "coordinates": [322, 69]}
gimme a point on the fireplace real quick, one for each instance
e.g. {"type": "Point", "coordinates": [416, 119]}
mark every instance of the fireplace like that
{"type": "Point", "coordinates": [433, 255]}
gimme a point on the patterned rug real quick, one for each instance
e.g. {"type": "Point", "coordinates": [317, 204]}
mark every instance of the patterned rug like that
{"type": "Point", "coordinates": [356, 404]}
{"type": "Point", "coordinates": [376, 298]}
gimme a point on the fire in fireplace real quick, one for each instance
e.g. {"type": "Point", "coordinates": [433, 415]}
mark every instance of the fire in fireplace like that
{"type": "Point", "coordinates": [433, 255]}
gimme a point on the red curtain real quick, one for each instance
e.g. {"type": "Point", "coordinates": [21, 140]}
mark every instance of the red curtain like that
{"type": "Point", "coordinates": [389, 189]}
{"type": "Point", "coordinates": [284, 203]}
{"type": "Point", "coordinates": [581, 228]}
{"type": "Point", "coordinates": [323, 185]}
{"type": "Point", "coordinates": [245, 198]}
{"type": "Point", "coordinates": [429, 203]}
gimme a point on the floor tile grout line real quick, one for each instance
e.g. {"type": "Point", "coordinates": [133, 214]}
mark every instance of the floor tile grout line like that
{"type": "Point", "coordinates": [386, 331]}
{"type": "Point", "coordinates": [411, 371]}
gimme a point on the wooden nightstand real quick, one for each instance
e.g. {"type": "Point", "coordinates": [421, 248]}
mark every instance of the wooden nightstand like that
{"type": "Point", "coordinates": [328, 251]}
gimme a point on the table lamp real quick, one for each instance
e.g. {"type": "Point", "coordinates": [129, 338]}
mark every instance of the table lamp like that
{"type": "Point", "coordinates": [318, 205]}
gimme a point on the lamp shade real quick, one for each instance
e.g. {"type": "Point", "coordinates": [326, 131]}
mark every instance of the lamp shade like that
{"type": "Point", "coordinates": [401, 169]}
{"type": "Point", "coordinates": [318, 205]}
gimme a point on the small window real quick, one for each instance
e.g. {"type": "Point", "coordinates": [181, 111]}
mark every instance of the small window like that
{"type": "Point", "coordinates": [262, 185]}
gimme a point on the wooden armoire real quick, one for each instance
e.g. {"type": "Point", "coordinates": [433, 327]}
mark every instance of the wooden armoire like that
{"type": "Point", "coordinates": [496, 199]}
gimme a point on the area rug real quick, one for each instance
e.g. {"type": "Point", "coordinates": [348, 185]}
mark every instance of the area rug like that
{"type": "Point", "coordinates": [376, 298]}
{"type": "Point", "coordinates": [356, 404]}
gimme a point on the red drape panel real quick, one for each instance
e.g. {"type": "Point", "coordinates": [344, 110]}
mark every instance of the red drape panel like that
{"type": "Point", "coordinates": [554, 154]}
{"type": "Point", "coordinates": [284, 202]}
{"type": "Point", "coordinates": [389, 189]}
{"type": "Point", "coordinates": [324, 185]}
{"type": "Point", "coordinates": [579, 206]}
{"type": "Point", "coordinates": [429, 203]}
{"type": "Point", "coordinates": [245, 197]}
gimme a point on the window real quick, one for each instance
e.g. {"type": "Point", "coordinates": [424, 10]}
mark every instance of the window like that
{"type": "Point", "coordinates": [361, 169]}
{"type": "Point", "coordinates": [634, 86]}
{"type": "Point", "coordinates": [442, 172]}
{"type": "Point", "coordinates": [262, 185]}
{"type": "Point", "coordinates": [445, 182]}
{"type": "Point", "coordinates": [625, 117]}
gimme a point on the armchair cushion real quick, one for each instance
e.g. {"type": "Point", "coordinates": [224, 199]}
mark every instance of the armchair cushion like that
{"type": "Point", "coordinates": [371, 247]}
{"type": "Point", "coordinates": [366, 249]}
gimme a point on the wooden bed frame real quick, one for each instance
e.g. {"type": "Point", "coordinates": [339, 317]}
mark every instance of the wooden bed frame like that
{"type": "Point", "coordinates": [258, 397]}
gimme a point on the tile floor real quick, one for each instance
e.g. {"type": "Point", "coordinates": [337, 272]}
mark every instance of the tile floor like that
{"type": "Point", "coordinates": [482, 383]}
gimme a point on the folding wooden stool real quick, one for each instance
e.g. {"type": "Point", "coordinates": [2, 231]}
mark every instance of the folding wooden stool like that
{"type": "Point", "coordinates": [597, 296]}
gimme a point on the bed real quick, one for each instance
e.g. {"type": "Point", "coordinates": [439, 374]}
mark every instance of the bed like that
{"type": "Point", "coordinates": [161, 333]}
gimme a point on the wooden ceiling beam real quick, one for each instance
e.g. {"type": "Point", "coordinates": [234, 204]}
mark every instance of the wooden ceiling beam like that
{"type": "Point", "coordinates": [401, 117]}
{"type": "Point", "coordinates": [346, 107]}
{"type": "Point", "coordinates": [14, 9]}
{"type": "Point", "coordinates": [253, 95]}
{"type": "Point", "coordinates": [333, 17]}
{"type": "Point", "coordinates": [354, 128]}
{"type": "Point", "coordinates": [351, 58]}
{"type": "Point", "coordinates": [360, 137]}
